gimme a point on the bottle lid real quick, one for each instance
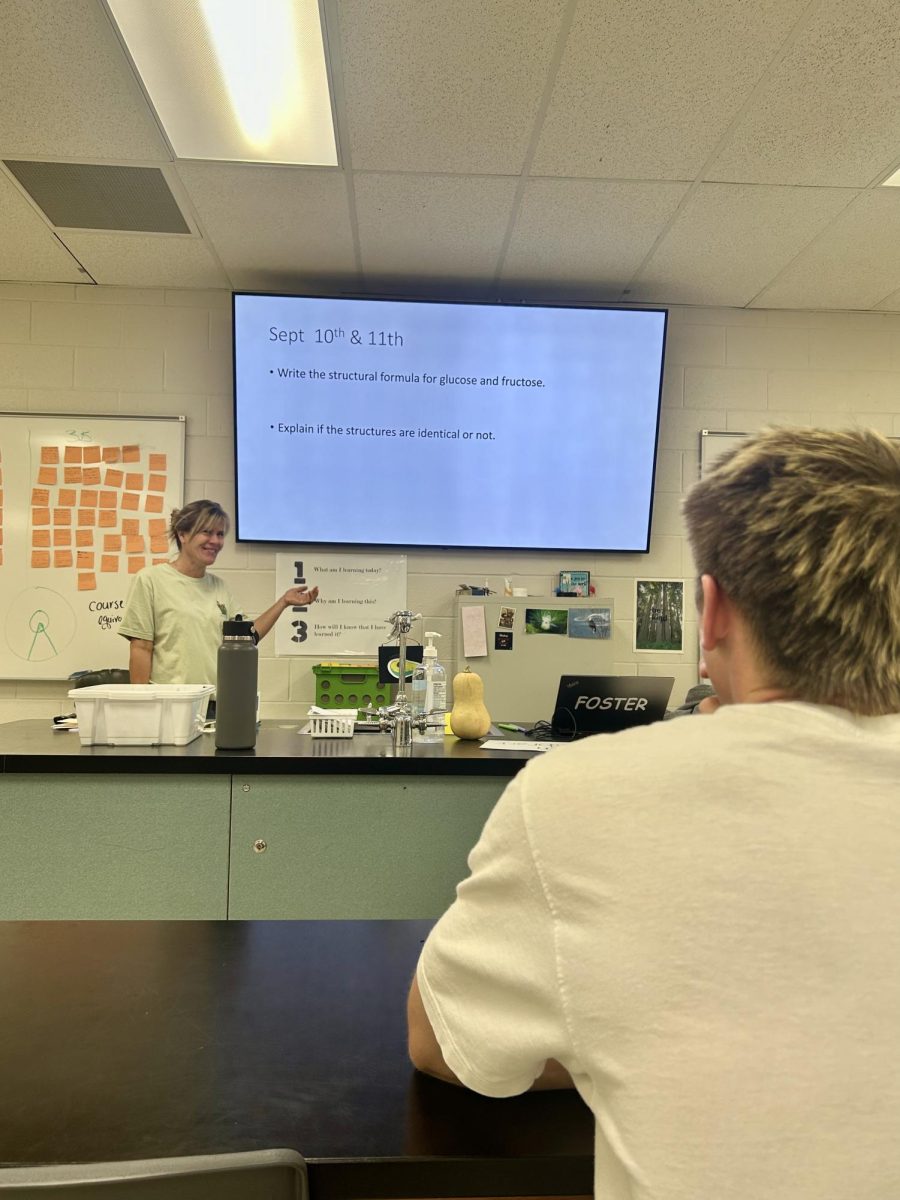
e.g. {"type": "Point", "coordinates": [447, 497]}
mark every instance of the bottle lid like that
{"type": "Point", "coordinates": [430, 651]}
{"type": "Point", "coordinates": [237, 627]}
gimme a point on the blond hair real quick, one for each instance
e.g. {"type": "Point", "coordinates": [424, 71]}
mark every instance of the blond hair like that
{"type": "Point", "coordinates": [197, 515]}
{"type": "Point", "coordinates": [801, 528]}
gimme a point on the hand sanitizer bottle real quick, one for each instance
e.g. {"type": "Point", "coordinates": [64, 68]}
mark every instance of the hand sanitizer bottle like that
{"type": "Point", "coordinates": [429, 692]}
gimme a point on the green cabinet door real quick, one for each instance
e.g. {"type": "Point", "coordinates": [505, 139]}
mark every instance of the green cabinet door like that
{"type": "Point", "coordinates": [350, 847]}
{"type": "Point", "coordinates": [113, 847]}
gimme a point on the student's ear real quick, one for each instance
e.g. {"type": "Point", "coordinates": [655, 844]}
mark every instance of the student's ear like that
{"type": "Point", "coordinates": [715, 614]}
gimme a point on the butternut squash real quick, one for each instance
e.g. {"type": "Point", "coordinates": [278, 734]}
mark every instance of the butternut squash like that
{"type": "Point", "coordinates": [469, 719]}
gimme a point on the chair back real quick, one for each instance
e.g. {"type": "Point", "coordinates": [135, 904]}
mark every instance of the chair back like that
{"type": "Point", "coordinates": [252, 1175]}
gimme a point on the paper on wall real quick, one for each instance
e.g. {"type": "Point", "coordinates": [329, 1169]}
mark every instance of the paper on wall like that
{"type": "Point", "coordinates": [357, 594]}
{"type": "Point", "coordinates": [473, 631]}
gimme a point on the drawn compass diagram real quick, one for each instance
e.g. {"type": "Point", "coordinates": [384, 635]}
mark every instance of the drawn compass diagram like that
{"type": "Point", "coordinates": [40, 624]}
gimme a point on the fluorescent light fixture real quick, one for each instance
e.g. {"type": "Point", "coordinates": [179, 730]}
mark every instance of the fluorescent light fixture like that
{"type": "Point", "coordinates": [892, 180]}
{"type": "Point", "coordinates": [234, 81]}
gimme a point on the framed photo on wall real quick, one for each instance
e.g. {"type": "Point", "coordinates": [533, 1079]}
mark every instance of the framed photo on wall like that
{"type": "Point", "coordinates": [659, 616]}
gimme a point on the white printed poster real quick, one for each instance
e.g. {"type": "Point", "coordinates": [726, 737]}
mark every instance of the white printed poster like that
{"type": "Point", "coordinates": [357, 595]}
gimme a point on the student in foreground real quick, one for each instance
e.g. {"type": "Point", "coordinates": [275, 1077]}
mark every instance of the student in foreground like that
{"type": "Point", "coordinates": [696, 923]}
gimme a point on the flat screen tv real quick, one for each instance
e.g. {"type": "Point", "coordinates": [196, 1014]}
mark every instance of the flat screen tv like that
{"type": "Point", "coordinates": [431, 424]}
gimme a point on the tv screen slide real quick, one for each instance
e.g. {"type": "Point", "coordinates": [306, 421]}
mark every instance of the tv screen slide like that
{"type": "Point", "coordinates": [411, 423]}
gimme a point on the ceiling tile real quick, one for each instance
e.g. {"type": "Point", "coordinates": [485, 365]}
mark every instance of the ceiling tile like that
{"type": "Point", "coordinates": [93, 107]}
{"type": "Point", "coordinates": [829, 114]}
{"type": "Point", "coordinates": [270, 224]}
{"type": "Point", "coordinates": [585, 233]}
{"type": "Point", "coordinates": [854, 264]}
{"type": "Point", "coordinates": [146, 260]}
{"type": "Point", "coordinates": [730, 240]}
{"type": "Point", "coordinates": [646, 89]}
{"type": "Point", "coordinates": [432, 86]}
{"type": "Point", "coordinates": [432, 225]}
{"type": "Point", "coordinates": [29, 252]}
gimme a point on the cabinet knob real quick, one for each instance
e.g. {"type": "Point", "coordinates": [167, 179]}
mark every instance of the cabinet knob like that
{"type": "Point", "coordinates": [259, 845]}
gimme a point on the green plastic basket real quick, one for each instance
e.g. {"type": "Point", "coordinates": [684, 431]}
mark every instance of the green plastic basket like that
{"type": "Point", "coordinates": [350, 685]}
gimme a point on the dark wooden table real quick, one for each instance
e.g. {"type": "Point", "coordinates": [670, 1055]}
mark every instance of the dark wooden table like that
{"type": "Point", "coordinates": [142, 1039]}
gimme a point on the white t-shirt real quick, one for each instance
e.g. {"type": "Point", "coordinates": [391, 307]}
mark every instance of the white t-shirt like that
{"type": "Point", "coordinates": [701, 921]}
{"type": "Point", "coordinates": [182, 617]}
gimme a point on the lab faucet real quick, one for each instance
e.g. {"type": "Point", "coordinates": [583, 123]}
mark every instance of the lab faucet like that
{"type": "Point", "coordinates": [398, 719]}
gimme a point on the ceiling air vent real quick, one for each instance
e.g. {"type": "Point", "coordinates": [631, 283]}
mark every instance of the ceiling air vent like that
{"type": "Point", "coordinates": [87, 196]}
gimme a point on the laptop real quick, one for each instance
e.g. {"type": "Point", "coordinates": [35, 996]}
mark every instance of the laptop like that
{"type": "Point", "coordinates": [587, 704]}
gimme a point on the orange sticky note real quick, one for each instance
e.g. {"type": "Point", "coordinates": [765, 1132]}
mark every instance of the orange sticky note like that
{"type": "Point", "coordinates": [62, 537]}
{"type": "Point", "coordinates": [85, 560]}
{"type": "Point", "coordinates": [156, 483]}
{"type": "Point", "coordinates": [72, 474]}
{"type": "Point", "coordinates": [47, 475]}
{"type": "Point", "coordinates": [40, 516]}
{"type": "Point", "coordinates": [157, 561]}
{"type": "Point", "coordinates": [40, 497]}
{"type": "Point", "coordinates": [134, 545]}
{"type": "Point", "coordinates": [107, 518]}
{"type": "Point", "coordinates": [131, 454]}
{"type": "Point", "coordinates": [89, 497]}
{"type": "Point", "coordinates": [62, 516]}
{"type": "Point", "coordinates": [72, 454]}
{"type": "Point", "coordinates": [157, 462]}
{"type": "Point", "coordinates": [90, 475]}
{"type": "Point", "coordinates": [112, 478]}
{"type": "Point", "coordinates": [66, 497]}
{"type": "Point", "coordinates": [87, 583]}
{"type": "Point", "coordinates": [111, 454]}
{"type": "Point", "coordinates": [109, 562]}
{"type": "Point", "coordinates": [49, 454]}
{"type": "Point", "coordinates": [131, 501]}
{"type": "Point", "coordinates": [108, 500]}
{"type": "Point", "coordinates": [40, 558]}
{"type": "Point", "coordinates": [62, 558]}
{"type": "Point", "coordinates": [134, 481]}
{"type": "Point", "coordinates": [130, 526]}
{"type": "Point", "coordinates": [84, 537]}
{"type": "Point", "coordinates": [87, 516]}
{"type": "Point", "coordinates": [157, 526]}
{"type": "Point", "coordinates": [159, 545]}
{"type": "Point", "coordinates": [112, 542]}
{"type": "Point", "coordinates": [136, 564]}
{"type": "Point", "coordinates": [92, 454]}
{"type": "Point", "coordinates": [153, 504]}
{"type": "Point", "coordinates": [40, 537]}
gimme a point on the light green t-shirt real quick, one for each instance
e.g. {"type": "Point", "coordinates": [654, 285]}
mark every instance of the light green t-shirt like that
{"type": "Point", "coordinates": [182, 617]}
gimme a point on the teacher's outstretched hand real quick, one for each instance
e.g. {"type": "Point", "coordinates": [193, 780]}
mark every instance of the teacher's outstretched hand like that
{"type": "Point", "coordinates": [299, 597]}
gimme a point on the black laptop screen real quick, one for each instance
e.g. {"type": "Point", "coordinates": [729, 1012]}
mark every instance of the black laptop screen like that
{"type": "Point", "coordinates": [588, 704]}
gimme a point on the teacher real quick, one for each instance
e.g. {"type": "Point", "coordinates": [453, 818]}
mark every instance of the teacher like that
{"type": "Point", "coordinates": [174, 612]}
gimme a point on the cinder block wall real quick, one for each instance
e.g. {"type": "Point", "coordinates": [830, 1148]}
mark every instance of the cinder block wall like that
{"type": "Point", "coordinates": [84, 349]}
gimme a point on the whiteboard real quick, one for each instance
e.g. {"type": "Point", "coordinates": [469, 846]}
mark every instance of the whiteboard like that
{"type": "Point", "coordinates": [521, 684]}
{"type": "Point", "coordinates": [84, 503]}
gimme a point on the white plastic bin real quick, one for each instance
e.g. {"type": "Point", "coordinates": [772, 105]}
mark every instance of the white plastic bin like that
{"type": "Point", "coordinates": [140, 714]}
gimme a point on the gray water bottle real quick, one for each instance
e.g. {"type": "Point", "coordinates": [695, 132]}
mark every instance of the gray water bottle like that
{"type": "Point", "coordinates": [236, 687]}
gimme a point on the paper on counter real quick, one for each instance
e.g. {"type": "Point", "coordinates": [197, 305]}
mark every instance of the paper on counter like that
{"type": "Point", "coordinates": [474, 631]}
